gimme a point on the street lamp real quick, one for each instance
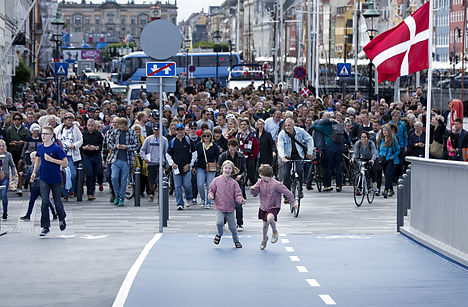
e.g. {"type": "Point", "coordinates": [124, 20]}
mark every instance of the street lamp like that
{"type": "Point", "coordinates": [217, 40]}
{"type": "Point", "coordinates": [369, 15]}
{"type": "Point", "coordinates": [57, 38]}
{"type": "Point", "coordinates": [187, 48]}
{"type": "Point", "coordinates": [254, 51]}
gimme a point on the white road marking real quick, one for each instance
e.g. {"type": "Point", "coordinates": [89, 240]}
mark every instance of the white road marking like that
{"type": "Point", "coordinates": [66, 236]}
{"type": "Point", "coordinates": [313, 282]}
{"type": "Point", "coordinates": [91, 237]}
{"type": "Point", "coordinates": [282, 235]}
{"type": "Point", "coordinates": [227, 236]}
{"type": "Point", "coordinates": [327, 299]}
{"type": "Point", "coordinates": [294, 258]}
{"type": "Point", "coordinates": [128, 281]}
{"type": "Point", "coordinates": [289, 249]}
{"type": "Point", "coordinates": [284, 241]}
{"type": "Point", "coordinates": [343, 237]}
{"type": "Point", "coordinates": [302, 269]}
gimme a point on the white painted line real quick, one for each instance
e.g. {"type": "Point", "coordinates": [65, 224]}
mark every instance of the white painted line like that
{"type": "Point", "coordinates": [282, 235]}
{"type": "Point", "coordinates": [302, 269]}
{"type": "Point", "coordinates": [294, 258]}
{"type": "Point", "coordinates": [327, 299]}
{"type": "Point", "coordinates": [313, 282]}
{"type": "Point", "coordinates": [289, 249]}
{"type": "Point", "coordinates": [284, 241]}
{"type": "Point", "coordinates": [128, 281]}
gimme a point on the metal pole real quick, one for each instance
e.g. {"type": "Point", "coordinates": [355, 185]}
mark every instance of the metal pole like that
{"type": "Point", "coordinates": [429, 84]}
{"type": "Point", "coordinates": [405, 194]}
{"type": "Point", "coordinates": [463, 48]}
{"type": "Point", "coordinates": [238, 26]}
{"type": "Point", "coordinates": [370, 86]}
{"type": "Point", "coordinates": [408, 171]}
{"type": "Point", "coordinates": [281, 37]}
{"type": "Point", "coordinates": [137, 188]}
{"type": "Point", "coordinates": [317, 46]}
{"type": "Point", "coordinates": [217, 60]}
{"type": "Point", "coordinates": [161, 161]}
{"type": "Point", "coordinates": [400, 219]}
{"type": "Point", "coordinates": [355, 45]}
{"type": "Point", "coordinates": [309, 41]}
{"type": "Point", "coordinates": [79, 187]}
{"type": "Point", "coordinates": [165, 203]}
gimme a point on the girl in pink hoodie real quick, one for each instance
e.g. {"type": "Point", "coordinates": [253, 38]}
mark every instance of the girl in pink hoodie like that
{"type": "Point", "coordinates": [225, 191]}
{"type": "Point", "coordinates": [270, 191]}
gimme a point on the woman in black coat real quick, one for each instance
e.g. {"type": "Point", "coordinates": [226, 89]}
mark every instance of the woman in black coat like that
{"type": "Point", "coordinates": [265, 143]}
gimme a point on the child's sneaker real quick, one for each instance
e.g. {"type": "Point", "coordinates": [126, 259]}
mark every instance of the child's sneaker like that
{"type": "Point", "coordinates": [274, 238]}
{"type": "Point", "coordinates": [264, 243]}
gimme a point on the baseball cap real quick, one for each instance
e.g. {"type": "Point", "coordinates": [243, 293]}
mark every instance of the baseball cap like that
{"type": "Point", "coordinates": [69, 115]}
{"type": "Point", "coordinates": [180, 109]}
{"type": "Point", "coordinates": [193, 125]}
{"type": "Point", "coordinates": [179, 126]}
{"type": "Point", "coordinates": [156, 126]}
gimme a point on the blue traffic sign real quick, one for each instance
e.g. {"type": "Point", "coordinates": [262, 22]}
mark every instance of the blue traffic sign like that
{"type": "Point", "coordinates": [343, 69]}
{"type": "Point", "coordinates": [61, 69]}
{"type": "Point", "coordinates": [160, 69]}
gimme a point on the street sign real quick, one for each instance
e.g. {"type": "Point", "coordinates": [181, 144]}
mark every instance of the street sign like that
{"type": "Point", "coordinates": [160, 69]}
{"type": "Point", "coordinates": [191, 68]}
{"type": "Point", "coordinates": [160, 39]}
{"type": "Point", "coordinates": [300, 72]}
{"type": "Point", "coordinates": [61, 69]}
{"type": "Point", "coordinates": [168, 85]}
{"type": "Point", "coordinates": [343, 69]}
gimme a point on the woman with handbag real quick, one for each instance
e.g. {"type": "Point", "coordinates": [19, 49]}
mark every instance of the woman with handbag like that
{"type": "Point", "coordinates": [388, 158]}
{"type": "Point", "coordinates": [206, 166]}
{"type": "Point", "coordinates": [436, 138]}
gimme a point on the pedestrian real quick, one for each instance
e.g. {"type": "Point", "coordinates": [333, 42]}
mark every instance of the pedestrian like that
{"type": "Point", "coordinates": [270, 191]}
{"type": "Point", "coordinates": [389, 151]}
{"type": "Point", "coordinates": [206, 167]}
{"type": "Point", "coordinates": [92, 159]}
{"type": "Point", "coordinates": [35, 191]}
{"type": "Point", "coordinates": [226, 192]}
{"type": "Point", "coordinates": [7, 166]}
{"type": "Point", "coordinates": [50, 157]}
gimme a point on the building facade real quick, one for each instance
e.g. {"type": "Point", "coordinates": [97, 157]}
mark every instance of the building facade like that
{"type": "Point", "coordinates": [110, 22]}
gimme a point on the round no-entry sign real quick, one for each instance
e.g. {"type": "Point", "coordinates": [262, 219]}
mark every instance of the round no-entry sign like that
{"type": "Point", "coordinates": [160, 39]}
{"type": "Point", "coordinates": [191, 68]}
{"type": "Point", "coordinates": [300, 72]}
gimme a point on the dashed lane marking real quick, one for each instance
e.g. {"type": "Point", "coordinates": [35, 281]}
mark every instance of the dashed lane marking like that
{"type": "Point", "coordinates": [313, 282]}
{"type": "Point", "coordinates": [284, 241]}
{"type": "Point", "coordinates": [294, 258]}
{"type": "Point", "coordinates": [289, 249]}
{"type": "Point", "coordinates": [327, 299]}
{"type": "Point", "coordinates": [302, 269]}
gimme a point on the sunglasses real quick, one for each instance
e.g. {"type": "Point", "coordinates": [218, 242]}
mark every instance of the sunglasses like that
{"type": "Point", "coordinates": [17, 118]}
{"type": "Point", "coordinates": [206, 136]}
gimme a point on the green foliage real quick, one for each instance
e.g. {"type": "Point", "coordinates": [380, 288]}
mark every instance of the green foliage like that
{"type": "Point", "coordinates": [111, 49]}
{"type": "Point", "coordinates": [22, 76]}
{"type": "Point", "coordinates": [223, 47]}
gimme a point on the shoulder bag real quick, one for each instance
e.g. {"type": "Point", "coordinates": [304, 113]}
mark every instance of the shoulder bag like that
{"type": "Point", "coordinates": [211, 167]}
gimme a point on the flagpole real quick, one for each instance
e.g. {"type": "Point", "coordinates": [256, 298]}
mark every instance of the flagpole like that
{"type": "Point", "coordinates": [429, 85]}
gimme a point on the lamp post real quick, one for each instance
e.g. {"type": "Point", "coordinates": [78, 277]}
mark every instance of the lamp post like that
{"type": "Point", "coordinates": [217, 40]}
{"type": "Point", "coordinates": [57, 38]}
{"type": "Point", "coordinates": [254, 51]}
{"type": "Point", "coordinates": [369, 15]}
{"type": "Point", "coordinates": [187, 48]}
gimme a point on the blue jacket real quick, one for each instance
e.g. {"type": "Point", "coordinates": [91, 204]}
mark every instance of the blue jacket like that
{"type": "Point", "coordinates": [402, 134]}
{"type": "Point", "coordinates": [284, 143]}
{"type": "Point", "coordinates": [390, 152]}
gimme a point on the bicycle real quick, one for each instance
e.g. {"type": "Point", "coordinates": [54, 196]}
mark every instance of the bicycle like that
{"type": "Point", "coordinates": [317, 170]}
{"type": "Point", "coordinates": [349, 171]}
{"type": "Point", "coordinates": [130, 190]}
{"type": "Point", "coordinates": [361, 186]}
{"type": "Point", "coordinates": [296, 186]}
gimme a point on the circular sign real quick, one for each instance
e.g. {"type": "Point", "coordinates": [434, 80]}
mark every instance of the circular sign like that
{"type": "Point", "coordinates": [160, 39]}
{"type": "Point", "coordinates": [300, 72]}
{"type": "Point", "coordinates": [191, 68]}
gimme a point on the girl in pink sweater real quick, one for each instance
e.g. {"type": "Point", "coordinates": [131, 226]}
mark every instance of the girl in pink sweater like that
{"type": "Point", "coordinates": [270, 191]}
{"type": "Point", "coordinates": [225, 191]}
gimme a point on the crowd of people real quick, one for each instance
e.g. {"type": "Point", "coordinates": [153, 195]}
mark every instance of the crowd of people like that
{"type": "Point", "coordinates": [202, 129]}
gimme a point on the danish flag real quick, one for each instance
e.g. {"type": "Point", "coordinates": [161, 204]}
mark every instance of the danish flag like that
{"type": "Point", "coordinates": [403, 49]}
{"type": "Point", "coordinates": [305, 92]}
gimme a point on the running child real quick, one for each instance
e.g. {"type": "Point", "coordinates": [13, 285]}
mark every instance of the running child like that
{"type": "Point", "coordinates": [225, 191]}
{"type": "Point", "coordinates": [270, 191]}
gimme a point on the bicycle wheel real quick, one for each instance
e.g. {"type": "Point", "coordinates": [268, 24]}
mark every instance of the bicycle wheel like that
{"type": "Point", "coordinates": [293, 190]}
{"type": "Point", "coordinates": [370, 195]}
{"type": "Point", "coordinates": [130, 191]}
{"type": "Point", "coordinates": [318, 177]}
{"type": "Point", "coordinates": [297, 197]}
{"type": "Point", "coordinates": [358, 190]}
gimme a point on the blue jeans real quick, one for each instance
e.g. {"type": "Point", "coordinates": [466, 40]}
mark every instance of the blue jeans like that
{"type": "Point", "coordinates": [120, 169]}
{"type": "Point", "coordinates": [35, 193]}
{"type": "Point", "coordinates": [333, 162]}
{"type": "Point", "coordinates": [45, 191]}
{"type": "Point", "coordinates": [4, 192]}
{"type": "Point", "coordinates": [92, 166]}
{"type": "Point", "coordinates": [109, 177]}
{"type": "Point", "coordinates": [72, 167]}
{"type": "Point", "coordinates": [184, 180]}
{"type": "Point", "coordinates": [204, 177]}
{"type": "Point", "coordinates": [229, 216]}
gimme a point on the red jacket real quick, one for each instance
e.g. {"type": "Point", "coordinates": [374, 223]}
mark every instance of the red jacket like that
{"type": "Point", "coordinates": [248, 145]}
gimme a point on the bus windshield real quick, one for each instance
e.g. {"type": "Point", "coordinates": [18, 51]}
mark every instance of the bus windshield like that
{"type": "Point", "coordinates": [130, 66]}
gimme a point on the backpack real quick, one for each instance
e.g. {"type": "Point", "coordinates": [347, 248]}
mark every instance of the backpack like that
{"type": "Point", "coordinates": [186, 139]}
{"type": "Point", "coordinates": [337, 135]}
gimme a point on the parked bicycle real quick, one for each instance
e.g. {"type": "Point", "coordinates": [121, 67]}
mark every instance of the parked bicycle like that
{"type": "Point", "coordinates": [317, 171]}
{"type": "Point", "coordinates": [362, 186]}
{"type": "Point", "coordinates": [349, 170]}
{"type": "Point", "coordinates": [296, 186]}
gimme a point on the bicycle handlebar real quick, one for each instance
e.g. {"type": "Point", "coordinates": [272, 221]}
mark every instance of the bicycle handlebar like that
{"type": "Point", "coordinates": [290, 161]}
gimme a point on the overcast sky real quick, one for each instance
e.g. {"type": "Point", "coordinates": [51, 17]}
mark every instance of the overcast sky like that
{"type": "Point", "coordinates": [186, 7]}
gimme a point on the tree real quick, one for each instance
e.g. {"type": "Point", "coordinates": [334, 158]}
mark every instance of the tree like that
{"type": "Point", "coordinates": [211, 45]}
{"type": "Point", "coordinates": [21, 77]}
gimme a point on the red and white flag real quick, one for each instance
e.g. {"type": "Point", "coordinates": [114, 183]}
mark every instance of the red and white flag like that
{"type": "Point", "coordinates": [305, 92]}
{"type": "Point", "coordinates": [403, 49]}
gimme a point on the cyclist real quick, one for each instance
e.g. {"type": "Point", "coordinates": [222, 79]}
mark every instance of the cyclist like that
{"type": "Point", "coordinates": [294, 143]}
{"type": "Point", "coordinates": [366, 150]}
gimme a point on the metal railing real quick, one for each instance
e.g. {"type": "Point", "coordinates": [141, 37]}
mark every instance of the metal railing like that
{"type": "Point", "coordinates": [403, 198]}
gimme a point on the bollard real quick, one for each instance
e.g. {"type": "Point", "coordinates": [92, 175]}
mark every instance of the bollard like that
{"type": "Point", "coordinates": [409, 187]}
{"type": "Point", "coordinates": [400, 219]}
{"type": "Point", "coordinates": [405, 194]}
{"type": "Point", "coordinates": [137, 187]}
{"type": "Point", "coordinates": [80, 182]}
{"type": "Point", "coordinates": [165, 201]}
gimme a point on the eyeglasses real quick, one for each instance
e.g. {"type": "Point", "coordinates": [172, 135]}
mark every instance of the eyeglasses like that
{"type": "Point", "coordinates": [46, 133]}
{"type": "Point", "coordinates": [17, 119]}
{"type": "Point", "coordinates": [206, 136]}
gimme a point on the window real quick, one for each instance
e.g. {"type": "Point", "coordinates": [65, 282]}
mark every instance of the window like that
{"type": "Point", "coordinates": [67, 20]}
{"type": "Point", "coordinates": [143, 20]}
{"type": "Point", "coordinates": [133, 31]}
{"type": "Point", "coordinates": [77, 29]}
{"type": "Point", "coordinates": [87, 30]}
{"type": "Point", "coordinates": [97, 20]}
{"type": "Point", "coordinates": [88, 20]}
{"type": "Point", "coordinates": [78, 20]}
{"type": "Point", "coordinates": [133, 20]}
{"type": "Point", "coordinates": [123, 20]}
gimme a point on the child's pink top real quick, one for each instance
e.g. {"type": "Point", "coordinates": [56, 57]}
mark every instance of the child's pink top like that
{"type": "Point", "coordinates": [270, 193]}
{"type": "Point", "coordinates": [449, 146]}
{"type": "Point", "coordinates": [226, 192]}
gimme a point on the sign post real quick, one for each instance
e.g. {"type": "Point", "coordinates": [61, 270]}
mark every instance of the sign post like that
{"type": "Point", "coordinates": [151, 39]}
